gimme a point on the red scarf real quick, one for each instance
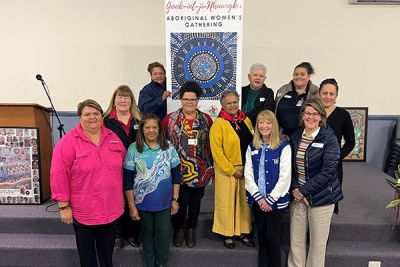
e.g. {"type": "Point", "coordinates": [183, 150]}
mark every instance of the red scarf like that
{"type": "Point", "coordinates": [226, 116]}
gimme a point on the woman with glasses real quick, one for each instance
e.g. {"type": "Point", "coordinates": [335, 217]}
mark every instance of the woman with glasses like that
{"type": "Point", "coordinates": [122, 117]}
{"type": "Point", "coordinates": [188, 129]}
{"type": "Point", "coordinates": [230, 135]}
{"type": "Point", "coordinates": [315, 186]}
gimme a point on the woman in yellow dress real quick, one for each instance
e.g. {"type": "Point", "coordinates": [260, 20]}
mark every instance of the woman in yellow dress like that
{"type": "Point", "coordinates": [230, 135]}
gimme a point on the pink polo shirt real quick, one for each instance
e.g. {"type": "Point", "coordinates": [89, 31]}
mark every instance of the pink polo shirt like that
{"type": "Point", "coordinates": [89, 176]}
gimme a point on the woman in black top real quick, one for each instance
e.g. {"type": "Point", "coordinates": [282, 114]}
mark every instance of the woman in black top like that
{"type": "Point", "coordinates": [256, 96]}
{"type": "Point", "coordinates": [339, 120]}
{"type": "Point", "coordinates": [122, 117]}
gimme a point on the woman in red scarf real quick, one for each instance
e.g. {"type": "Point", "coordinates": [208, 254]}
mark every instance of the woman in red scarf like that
{"type": "Point", "coordinates": [230, 135]}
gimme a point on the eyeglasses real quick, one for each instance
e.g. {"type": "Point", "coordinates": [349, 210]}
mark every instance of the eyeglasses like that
{"type": "Point", "coordinates": [122, 97]}
{"type": "Point", "coordinates": [189, 100]}
{"type": "Point", "coordinates": [309, 114]}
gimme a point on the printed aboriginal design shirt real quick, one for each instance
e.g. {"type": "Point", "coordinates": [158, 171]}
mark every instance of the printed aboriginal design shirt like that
{"type": "Point", "coordinates": [192, 142]}
{"type": "Point", "coordinates": [152, 185]}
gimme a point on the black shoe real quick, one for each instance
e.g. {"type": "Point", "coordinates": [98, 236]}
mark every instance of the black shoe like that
{"type": "Point", "coordinates": [179, 237]}
{"type": "Point", "coordinates": [246, 240]}
{"type": "Point", "coordinates": [191, 237]}
{"type": "Point", "coordinates": [228, 242]}
{"type": "Point", "coordinates": [133, 241]}
{"type": "Point", "coordinates": [119, 243]}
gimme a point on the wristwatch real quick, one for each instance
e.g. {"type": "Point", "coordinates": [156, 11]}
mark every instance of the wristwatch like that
{"type": "Point", "coordinates": [175, 199]}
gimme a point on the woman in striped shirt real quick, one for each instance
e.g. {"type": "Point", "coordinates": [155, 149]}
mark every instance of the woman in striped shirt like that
{"type": "Point", "coordinates": [315, 186]}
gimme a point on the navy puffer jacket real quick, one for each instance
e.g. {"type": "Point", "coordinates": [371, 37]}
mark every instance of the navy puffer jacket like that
{"type": "Point", "coordinates": [322, 185]}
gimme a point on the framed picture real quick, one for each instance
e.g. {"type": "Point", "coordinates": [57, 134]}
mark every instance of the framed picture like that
{"type": "Point", "coordinates": [20, 174]}
{"type": "Point", "coordinates": [359, 116]}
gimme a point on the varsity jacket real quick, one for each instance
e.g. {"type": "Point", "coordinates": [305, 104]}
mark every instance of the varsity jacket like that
{"type": "Point", "coordinates": [276, 165]}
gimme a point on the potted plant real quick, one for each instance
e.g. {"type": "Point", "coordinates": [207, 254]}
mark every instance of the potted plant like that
{"type": "Point", "coordinates": [395, 183]}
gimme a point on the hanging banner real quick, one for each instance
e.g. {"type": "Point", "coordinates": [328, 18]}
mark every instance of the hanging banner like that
{"type": "Point", "coordinates": [204, 44]}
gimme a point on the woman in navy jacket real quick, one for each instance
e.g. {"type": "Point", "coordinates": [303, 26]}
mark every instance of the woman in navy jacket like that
{"type": "Point", "coordinates": [315, 186]}
{"type": "Point", "coordinates": [153, 96]}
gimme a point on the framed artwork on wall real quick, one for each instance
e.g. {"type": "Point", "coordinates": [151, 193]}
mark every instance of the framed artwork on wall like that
{"type": "Point", "coordinates": [359, 116]}
{"type": "Point", "coordinates": [20, 174]}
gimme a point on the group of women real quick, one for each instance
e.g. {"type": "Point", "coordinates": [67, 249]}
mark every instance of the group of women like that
{"type": "Point", "coordinates": [293, 155]}
{"type": "Point", "coordinates": [162, 162]}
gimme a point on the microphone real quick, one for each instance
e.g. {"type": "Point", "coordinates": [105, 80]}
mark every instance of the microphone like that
{"type": "Point", "coordinates": [47, 91]}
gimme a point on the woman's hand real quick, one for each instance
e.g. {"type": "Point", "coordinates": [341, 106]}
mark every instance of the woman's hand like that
{"type": "Point", "coordinates": [264, 206]}
{"type": "Point", "coordinates": [174, 207]}
{"type": "Point", "coordinates": [305, 201]}
{"type": "Point", "coordinates": [298, 196]}
{"type": "Point", "coordinates": [134, 213]}
{"type": "Point", "coordinates": [238, 174]}
{"type": "Point", "coordinates": [165, 95]}
{"type": "Point", "coordinates": [66, 215]}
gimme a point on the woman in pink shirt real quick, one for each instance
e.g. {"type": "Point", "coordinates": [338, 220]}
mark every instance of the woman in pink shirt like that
{"type": "Point", "coordinates": [86, 181]}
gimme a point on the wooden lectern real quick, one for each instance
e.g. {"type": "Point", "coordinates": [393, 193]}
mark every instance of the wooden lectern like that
{"type": "Point", "coordinates": [33, 115]}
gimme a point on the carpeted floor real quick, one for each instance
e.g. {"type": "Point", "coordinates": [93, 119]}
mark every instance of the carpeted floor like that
{"type": "Point", "coordinates": [362, 232]}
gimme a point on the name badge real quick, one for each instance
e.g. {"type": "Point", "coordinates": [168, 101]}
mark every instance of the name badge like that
{"type": "Point", "coordinates": [299, 103]}
{"type": "Point", "coordinates": [254, 152]}
{"type": "Point", "coordinates": [135, 127]}
{"type": "Point", "coordinates": [319, 145]}
{"type": "Point", "coordinates": [192, 142]}
{"type": "Point", "coordinates": [287, 96]}
{"type": "Point", "coordinates": [262, 99]}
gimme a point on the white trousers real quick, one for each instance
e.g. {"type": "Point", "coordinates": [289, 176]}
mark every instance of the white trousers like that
{"type": "Point", "coordinates": [318, 221]}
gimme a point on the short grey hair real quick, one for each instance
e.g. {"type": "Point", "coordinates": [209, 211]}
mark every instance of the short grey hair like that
{"type": "Point", "coordinates": [257, 66]}
{"type": "Point", "coordinates": [226, 93]}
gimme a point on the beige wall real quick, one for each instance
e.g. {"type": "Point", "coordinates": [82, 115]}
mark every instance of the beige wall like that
{"type": "Point", "coordinates": [84, 49]}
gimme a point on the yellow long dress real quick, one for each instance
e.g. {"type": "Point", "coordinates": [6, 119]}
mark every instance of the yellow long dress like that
{"type": "Point", "coordinates": [231, 212]}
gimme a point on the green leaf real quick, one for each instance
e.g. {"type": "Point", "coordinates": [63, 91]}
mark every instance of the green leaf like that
{"type": "Point", "coordinates": [393, 204]}
{"type": "Point", "coordinates": [391, 182]}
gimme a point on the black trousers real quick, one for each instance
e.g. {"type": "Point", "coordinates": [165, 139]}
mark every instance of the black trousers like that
{"type": "Point", "coordinates": [189, 205]}
{"type": "Point", "coordinates": [340, 176]}
{"type": "Point", "coordinates": [269, 236]}
{"type": "Point", "coordinates": [126, 227]}
{"type": "Point", "coordinates": [93, 240]}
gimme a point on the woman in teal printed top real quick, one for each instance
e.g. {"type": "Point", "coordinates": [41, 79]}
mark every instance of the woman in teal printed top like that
{"type": "Point", "coordinates": [151, 183]}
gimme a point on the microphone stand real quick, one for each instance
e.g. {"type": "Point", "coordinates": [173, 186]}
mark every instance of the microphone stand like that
{"type": "Point", "coordinates": [46, 90]}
